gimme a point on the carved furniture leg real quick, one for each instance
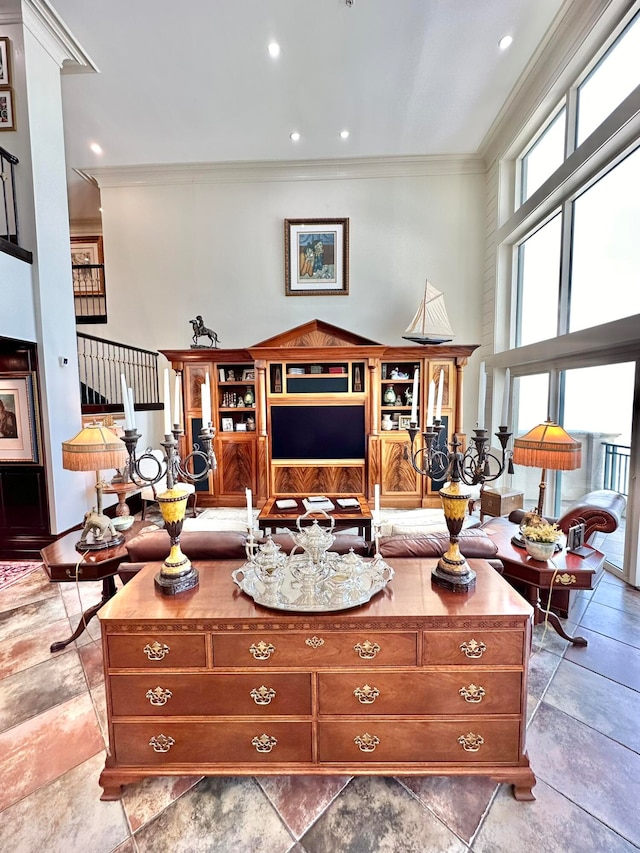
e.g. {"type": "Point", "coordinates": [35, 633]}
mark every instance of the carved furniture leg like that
{"type": "Point", "coordinates": [108, 591]}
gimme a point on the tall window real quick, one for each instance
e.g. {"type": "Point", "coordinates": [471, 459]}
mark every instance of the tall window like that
{"type": "Point", "coordinates": [615, 77]}
{"type": "Point", "coordinates": [606, 249]}
{"type": "Point", "coordinates": [543, 157]}
{"type": "Point", "coordinates": [538, 284]}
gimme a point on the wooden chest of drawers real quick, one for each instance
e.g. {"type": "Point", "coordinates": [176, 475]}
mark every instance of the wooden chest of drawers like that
{"type": "Point", "coordinates": [419, 681]}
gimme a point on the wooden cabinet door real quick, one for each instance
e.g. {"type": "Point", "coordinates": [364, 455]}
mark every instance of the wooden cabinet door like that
{"type": "Point", "coordinates": [236, 456]}
{"type": "Point", "coordinates": [399, 479]}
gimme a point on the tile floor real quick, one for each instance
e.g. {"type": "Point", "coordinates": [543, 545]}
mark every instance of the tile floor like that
{"type": "Point", "coordinates": [583, 741]}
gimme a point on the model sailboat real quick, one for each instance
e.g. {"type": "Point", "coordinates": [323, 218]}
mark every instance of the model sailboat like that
{"type": "Point", "coordinates": [431, 324]}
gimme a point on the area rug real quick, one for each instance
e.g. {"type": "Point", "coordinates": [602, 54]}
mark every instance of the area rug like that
{"type": "Point", "coordinates": [12, 571]}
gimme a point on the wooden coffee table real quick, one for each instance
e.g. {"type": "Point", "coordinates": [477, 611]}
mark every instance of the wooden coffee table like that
{"type": "Point", "coordinates": [559, 576]}
{"type": "Point", "coordinates": [271, 516]}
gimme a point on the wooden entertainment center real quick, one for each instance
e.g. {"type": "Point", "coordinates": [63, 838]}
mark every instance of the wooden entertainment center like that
{"type": "Point", "coordinates": [323, 395]}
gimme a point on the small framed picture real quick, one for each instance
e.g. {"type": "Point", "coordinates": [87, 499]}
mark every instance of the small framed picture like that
{"type": "Point", "coordinates": [404, 421]}
{"type": "Point", "coordinates": [248, 375]}
{"type": "Point", "coordinates": [227, 424]}
{"type": "Point", "coordinates": [221, 375]}
{"type": "Point", "coordinates": [316, 257]}
{"type": "Point", "coordinates": [7, 114]}
{"type": "Point", "coordinates": [19, 432]}
{"type": "Point", "coordinates": [241, 427]}
{"type": "Point", "coordinates": [5, 61]}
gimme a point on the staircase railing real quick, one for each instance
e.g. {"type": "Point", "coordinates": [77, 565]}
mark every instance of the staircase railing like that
{"type": "Point", "coordinates": [100, 364]}
{"type": "Point", "coordinates": [9, 227]}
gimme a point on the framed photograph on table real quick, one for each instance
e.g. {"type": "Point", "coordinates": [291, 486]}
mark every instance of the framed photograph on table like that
{"type": "Point", "coordinates": [316, 257]}
{"type": "Point", "coordinates": [248, 375]}
{"type": "Point", "coordinates": [7, 113]}
{"type": "Point", "coordinates": [404, 421]}
{"type": "Point", "coordinates": [18, 418]}
{"type": "Point", "coordinates": [227, 424]}
{"type": "Point", "coordinates": [5, 61]}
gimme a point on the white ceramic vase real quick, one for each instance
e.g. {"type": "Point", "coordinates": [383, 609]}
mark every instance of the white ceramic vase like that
{"type": "Point", "coordinates": [539, 550]}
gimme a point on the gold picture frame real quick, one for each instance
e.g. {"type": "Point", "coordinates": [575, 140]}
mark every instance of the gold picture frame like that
{"type": "Point", "coordinates": [19, 434]}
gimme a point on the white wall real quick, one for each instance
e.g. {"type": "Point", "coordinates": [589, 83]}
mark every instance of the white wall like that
{"type": "Point", "coordinates": [216, 248]}
{"type": "Point", "coordinates": [16, 293]}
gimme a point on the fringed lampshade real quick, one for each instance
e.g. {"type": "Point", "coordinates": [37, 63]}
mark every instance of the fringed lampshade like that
{"type": "Point", "coordinates": [93, 448]}
{"type": "Point", "coordinates": [547, 446]}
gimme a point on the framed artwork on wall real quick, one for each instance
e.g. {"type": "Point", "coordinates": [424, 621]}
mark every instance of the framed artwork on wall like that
{"type": "Point", "coordinates": [7, 113]}
{"type": "Point", "coordinates": [5, 61]}
{"type": "Point", "coordinates": [316, 257]}
{"type": "Point", "coordinates": [18, 418]}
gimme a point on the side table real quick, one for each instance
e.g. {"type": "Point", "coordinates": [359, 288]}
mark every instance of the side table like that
{"type": "Point", "coordinates": [64, 564]}
{"type": "Point", "coordinates": [565, 571]}
{"type": "Point", "coordinates": [121, 490]}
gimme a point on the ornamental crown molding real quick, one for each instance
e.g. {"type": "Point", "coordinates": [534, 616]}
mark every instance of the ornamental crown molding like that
{"type": "Point", "coordinates": [567, 46]}
{"type": "Point", "coordinates": [42, 20]}
{"type": "Point", "coordinates": [272, 170]}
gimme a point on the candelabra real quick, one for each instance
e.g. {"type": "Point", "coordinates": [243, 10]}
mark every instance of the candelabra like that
{"type": "Point", "coordinates": [476, 466]}
{"type": "Point", "coordinates": [177, 574]}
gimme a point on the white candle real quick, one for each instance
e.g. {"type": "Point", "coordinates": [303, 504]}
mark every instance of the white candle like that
{"type": "Point", "coordinates": [432, 394]}
{"type": "Point", "coordinates": [125, 403]}
{"type": "Point", "coordinates": [414, 398]}
{"type": "Point", "coordinates": [376, 503]}
{"type": "Point", "coordinates": [504, 419]}
{"type": "Point", "coordinates": [439, 401]}
{"type": "Point", "coordinates": [249, 508]}
{"type": "Point", "coordinates": [166, 403]}
{"type": "Point", "coordinates": [132, 410]}
{"type": "Point", "coordinates": [206, 405]}
{"type": "Point", "coordinates": [177, 400]}
{"type": "Point", "coordinates": [482, 390]}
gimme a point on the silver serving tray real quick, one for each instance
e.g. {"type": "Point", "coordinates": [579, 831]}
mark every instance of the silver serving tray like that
{"type": "Point", "coordinates": [321, 596]}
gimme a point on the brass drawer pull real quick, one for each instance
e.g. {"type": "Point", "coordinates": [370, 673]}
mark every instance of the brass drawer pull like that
{"type": "Point", "coordinates": [565, 579]}
{"type": "Point", "coordinates": [367, 649]}
{"type": "Point", "coordinates": [158, 696]}
{"type": "Point", "coordinates": [161, 743]}
{"type": "Point", "coordinates": [264, 743]}
{"type": "Point", "coordinates": [473, 693]}
{"type": "Point", "coordinates": [314, 642]}
{"type": "Point", "coordinates": [473, 649]}
{"type": "Point", "coordinates": [366, 742]}
{"type": "Point", "coordinates": [471, 742]}
{"type": "Point", "coordinates": [366, 695]}
{"type": "Point", "coordinates": [262, 650]}
{"type": "Point", "coordinates": [156, 651]}
{"type": "Point", "coordinates": [263, 695]}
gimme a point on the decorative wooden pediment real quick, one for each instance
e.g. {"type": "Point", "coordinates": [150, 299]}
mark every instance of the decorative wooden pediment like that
{"type": "Point", "coordinates": [316, 333]}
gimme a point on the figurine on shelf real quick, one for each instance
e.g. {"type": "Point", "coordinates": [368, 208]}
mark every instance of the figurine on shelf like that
{"type": "Point", "coordinates": [408, 397]}
{"type": "Point", "coordinates": [390, 396]}
{"type": "Point", "coordinates": [201, 331]}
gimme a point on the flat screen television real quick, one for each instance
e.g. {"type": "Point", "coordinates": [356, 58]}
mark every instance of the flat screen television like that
{"type": "Point", "coordinates": [317, 432]}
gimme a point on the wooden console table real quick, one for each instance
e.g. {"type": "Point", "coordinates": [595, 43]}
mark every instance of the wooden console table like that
{"type": "Point", "coordinates": [419, 681]}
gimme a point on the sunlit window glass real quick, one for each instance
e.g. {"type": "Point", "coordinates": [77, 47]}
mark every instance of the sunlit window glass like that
{"type": "Point", "coordinates": [615, 76]}
{"type": "Point", "coordinates": [530, 398]}
{"type": "Point", "coordinates": [539, 275]}
{"type": "Point", "coordinates": [606, 250]}
{"type": "Point", "coordinates": [544, 156]}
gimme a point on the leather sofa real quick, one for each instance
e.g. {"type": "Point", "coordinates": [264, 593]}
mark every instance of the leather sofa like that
{"type": "Point", "coordinates": [153, 546]}
{"type": "Point", "coordinates": [600, 511]}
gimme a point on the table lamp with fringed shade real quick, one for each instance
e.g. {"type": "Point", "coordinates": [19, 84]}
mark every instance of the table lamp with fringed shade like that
{"type": "Point", "coordinates": [93, 448]}
{"type": "Point", "coordinates": [549, 447]}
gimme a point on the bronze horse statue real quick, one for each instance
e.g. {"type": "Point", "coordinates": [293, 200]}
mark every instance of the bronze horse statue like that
{"type": "Point", "coordinates": [201, 331]}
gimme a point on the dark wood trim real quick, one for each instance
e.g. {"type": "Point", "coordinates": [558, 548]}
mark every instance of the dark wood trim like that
{"type": "Point", "coordinates": [10, 248]}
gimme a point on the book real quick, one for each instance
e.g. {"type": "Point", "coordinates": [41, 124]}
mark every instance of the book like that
{"type": "Point", "coordinates": [315, 505]}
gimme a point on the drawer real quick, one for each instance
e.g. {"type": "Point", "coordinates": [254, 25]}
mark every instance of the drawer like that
{"type": "Point", "coordinates": [156, 651]}
{"type": "Point", "coordinates": [211, 694]}
{"type": "Point", "coordinates": [374, 740]}
{"type": "Point", "coordinates": [497, 648]}
{"type": "Point", "coordinates": [164, 742]}
{"type": "Point", "coordinates": [320, 649]}
{"type": "Point", "coordinates": [462, 691]}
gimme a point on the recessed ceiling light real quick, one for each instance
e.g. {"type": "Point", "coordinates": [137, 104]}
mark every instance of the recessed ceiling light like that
{"type": "Point", "coordinates": [505, 42]}
{"type": "Point", "coordinates": [295, 136]}
{"type": "Point", "coordinates": [95, 148]}
{"type": "Point", "coordinates": [344, 134]}
{"type": "Point", "coordinates": [274, 49]}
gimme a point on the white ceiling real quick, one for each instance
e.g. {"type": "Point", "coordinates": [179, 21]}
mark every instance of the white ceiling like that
{"type": "Point", "coordinates": [193, 82]}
